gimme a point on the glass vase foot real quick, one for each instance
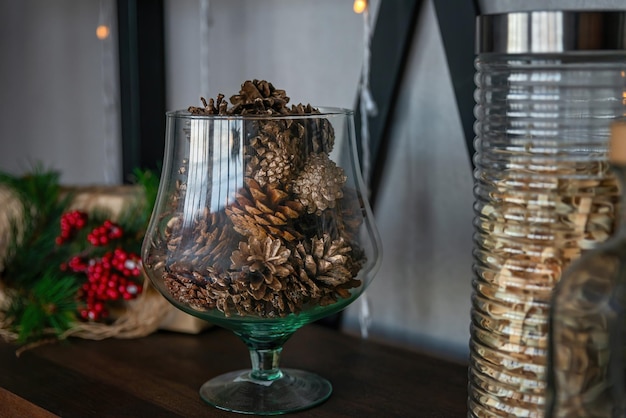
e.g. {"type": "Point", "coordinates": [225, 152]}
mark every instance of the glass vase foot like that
{"type": "Point", "coordinates": [293, 390]}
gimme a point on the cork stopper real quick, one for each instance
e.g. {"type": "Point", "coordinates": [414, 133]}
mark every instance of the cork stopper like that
{"type": "Point", "coordinates": [617, 143]}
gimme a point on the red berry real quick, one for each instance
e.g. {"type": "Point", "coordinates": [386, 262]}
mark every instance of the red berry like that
{"type": "Point", "coordinates": [70, 223]}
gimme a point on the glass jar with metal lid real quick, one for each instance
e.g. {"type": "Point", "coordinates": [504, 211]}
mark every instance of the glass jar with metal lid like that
{"type": "Point", "coordinates": [549, 84]}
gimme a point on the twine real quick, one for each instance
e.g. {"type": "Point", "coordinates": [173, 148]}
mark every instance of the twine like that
{"type": "Point", "coordinates": [141, 317]}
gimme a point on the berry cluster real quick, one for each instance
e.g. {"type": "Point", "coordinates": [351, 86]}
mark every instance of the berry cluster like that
{"type": "Point", "coordinates": [71, 222]}
{"type": "Point", "coordinates": [109, 278]}
{"type": "Point", "coordinates": [104, 233]}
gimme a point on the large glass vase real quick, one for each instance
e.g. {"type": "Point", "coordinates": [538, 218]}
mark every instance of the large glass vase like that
{"type": "Point", "coordinates": [262, 225]}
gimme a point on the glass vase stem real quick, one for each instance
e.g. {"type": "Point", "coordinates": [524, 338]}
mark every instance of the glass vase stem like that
{"type": "Point", "coordinates": [265, 364]}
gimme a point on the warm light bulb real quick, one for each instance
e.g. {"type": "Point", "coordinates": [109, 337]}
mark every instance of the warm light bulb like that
{"type": "Point", "coordinates": [359, 6]}
{"type": "Point", "coordinates": [102, 31]}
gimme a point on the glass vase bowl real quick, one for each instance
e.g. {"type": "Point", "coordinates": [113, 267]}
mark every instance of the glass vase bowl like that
{"type": "Point", "coordinates": [262, 225]}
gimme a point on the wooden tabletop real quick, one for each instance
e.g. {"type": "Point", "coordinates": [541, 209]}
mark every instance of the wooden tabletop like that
{"type": "Point", "coordinates": [159, 376]}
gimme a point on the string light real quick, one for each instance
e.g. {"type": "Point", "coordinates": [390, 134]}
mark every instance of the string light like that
{"type": "Point", "coordinates": [102, 32]}
{"type": "Point", "coordinates": [367, 109]}
{"type": "Point", "coordinates": [359, 6]}
{"type": "Point", "coordinates": [111, 143]}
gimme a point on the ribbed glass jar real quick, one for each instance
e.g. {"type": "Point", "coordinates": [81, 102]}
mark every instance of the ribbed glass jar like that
{"type": "Point", "coordinates": [586, 373]}
{"type": "Point", "coordinates": [543, 195]}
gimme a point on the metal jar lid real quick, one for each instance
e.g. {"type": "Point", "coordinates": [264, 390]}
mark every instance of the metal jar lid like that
{"type": "Point", "coordinates": [539, 32]}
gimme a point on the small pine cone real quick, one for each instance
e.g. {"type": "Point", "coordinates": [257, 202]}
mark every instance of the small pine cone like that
{"type": "Point", "coordinates": [296, 294]}
{"type": "Point", "coordinates": [265, 265]}
{"type": "Point", "coordinates": [274, 166]}
{"type": "Point", "coordinates": [214, 239]}
{"type": "Point", "coordinates": [211, 240]}
{"type": "Point", "coordinates": [320, 183]}
{"type": "Point", "coordinates": [264, 211]}
{"type": "Point", "coordinates": [318, 132]}
{"type": "Point", "coordinates": [259, 97]}
{"type": "Point", "coordinates": [326, 269]}
{"type": "Point", "coordinates": [213, 107]}
{"type": "Point", "coordinates": [274, 154]}
{"type": "Point", "coordinates": [326, 261]}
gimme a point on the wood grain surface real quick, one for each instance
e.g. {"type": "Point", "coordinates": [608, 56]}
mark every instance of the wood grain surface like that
{"type": "Point", "coordinates": [159, 376]}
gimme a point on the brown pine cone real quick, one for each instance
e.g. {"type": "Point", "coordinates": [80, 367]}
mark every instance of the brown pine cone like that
{"type": "Point", "coordinates": [273, 156]}
{"type": "Point", "coordinates": [274, 167]}
{"type": "Point", "coordinates": [318, 132]}
{"type": "Point", "coordinates": [259, 97]}
{"type": "Point", "coordinates": [326, 261]}
{"type": "Point", "coordinates": [213, 107]}
{"type": "Point", "coordinates": [264, 264]}
{"type": "Point", "coordinates": [320, 183]}
{"type": "Point", "coordinates": [264, 211]}
{"type": "Point", "coordinates": [209, 243]}
{"type": "Point", "coordinates": [326, 268]}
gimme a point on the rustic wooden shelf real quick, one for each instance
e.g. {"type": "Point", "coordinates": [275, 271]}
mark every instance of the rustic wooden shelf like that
{"type": "Point", "coordinates": [159, 376]}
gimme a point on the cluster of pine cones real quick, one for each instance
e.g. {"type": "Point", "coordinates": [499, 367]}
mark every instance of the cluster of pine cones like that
{"type": "Point", "coordinates": [287, 240]}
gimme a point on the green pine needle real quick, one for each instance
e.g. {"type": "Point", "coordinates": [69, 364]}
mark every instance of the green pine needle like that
{"type": "Point", "coordinates": [48, 308]}
{"type": "Point", "coordinates": [32, 242]}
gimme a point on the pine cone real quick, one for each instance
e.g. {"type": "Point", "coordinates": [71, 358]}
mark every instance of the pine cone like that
{"type": "Point", "coordinates": [211, 291]}
{"type": "Point", "coordinates": [274, 303]}
{"type": "Point", "coordinates": [259, 97]}
{"type": "Point", "coordinates": [211, 108]}
{"type": "Point", "coordinates": [350, 217]}
{"type": "Point", "coordinates": [212, 236]}
{"type": "Point", "coordinates": [318, 133]}
{"type": "Point", "coordinates": [272, 160]}
{"type": "Point", "coordinates": [275, 165]}
{"type": "Point", "coordinates": [319, 184]}
{"type": "Point", "coordinates": [327, 269]}
{"type": "Point", "coordinates": [256, 97]}
{"type": "Point", "coordinates": [275, 154]}
{"type": "Point", "coordinates": [264, 264]}
{"type": "Point", "coordinates": [326, 261]}
{"type": "Point", "coordinates": [264, 211]}
{"type": "Point", "coordinates": [342, 221]}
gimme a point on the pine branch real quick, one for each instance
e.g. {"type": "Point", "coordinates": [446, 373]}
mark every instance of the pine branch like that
{"type": "Point", "coordinates": [32, 242]}
{"type": "Point", "coordinates": [48, 308]}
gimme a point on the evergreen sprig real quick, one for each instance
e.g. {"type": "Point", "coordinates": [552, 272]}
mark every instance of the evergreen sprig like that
{"type": "Point", "coordinates": [43, 297]}
{"type": "Point", "coordinates": [46, 309]}
{"type": "Point", "coordinates": [31, 244]}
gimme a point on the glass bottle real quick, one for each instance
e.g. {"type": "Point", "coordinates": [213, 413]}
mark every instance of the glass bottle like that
{"type": "Point", "coordinates": [548, 86]}
{"type": "Point", "coordinates": [586, 358]}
